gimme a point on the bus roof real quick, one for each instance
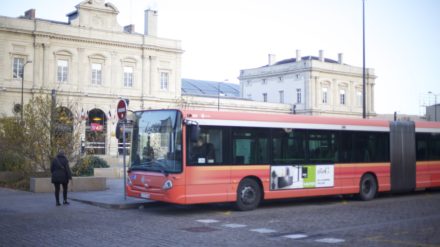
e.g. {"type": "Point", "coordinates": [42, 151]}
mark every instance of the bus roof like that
{"type": "Point", "coordinates": [278, 120]}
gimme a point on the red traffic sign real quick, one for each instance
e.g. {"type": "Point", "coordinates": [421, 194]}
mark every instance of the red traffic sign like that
{"type": "Point", "coordinates": [121, 109]}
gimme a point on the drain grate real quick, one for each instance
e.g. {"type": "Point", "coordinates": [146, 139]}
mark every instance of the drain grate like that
{"type": "Point", "coordinates": [200, 229]}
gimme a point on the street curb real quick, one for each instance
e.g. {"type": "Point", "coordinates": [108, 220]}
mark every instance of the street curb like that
{"type": "Point", "coordinates": [118, 205]}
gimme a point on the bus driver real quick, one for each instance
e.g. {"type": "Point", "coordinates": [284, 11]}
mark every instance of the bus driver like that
{"type": "Point", "coordinates": [203, 152]}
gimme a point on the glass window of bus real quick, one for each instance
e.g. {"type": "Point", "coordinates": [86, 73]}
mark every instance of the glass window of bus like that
{"type": "Point", "coordinates": [361, 151]}
{"type": "Point", "coordinates": [209, 147]}
{"type": "Point", "coordinates": [422, 146]}
{"type": "Point", "coordinates": [380, 147]}
{"type": "Point", "coordinates": [370, 147]}
{"type": "Point", "coordinates": [250, 146]}
{"type": "Point", "coordinates": [157, 141]}
{"type": "Point", "coordinates": [321, 146]}
{"type": "Point", "coordinates": [434, 146]}
{"type": "Point", "coordinates": [288, 146]}
{"type": "Point", "coordinates": [345, 145]}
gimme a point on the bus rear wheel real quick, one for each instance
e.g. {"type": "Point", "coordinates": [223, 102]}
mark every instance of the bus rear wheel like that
{"type": "Point", "coordinates": [368, 187]}
{"type": "Point", "coordinates": [248, 195]}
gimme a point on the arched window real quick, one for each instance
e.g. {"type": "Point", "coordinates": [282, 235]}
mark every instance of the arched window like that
{"type": "Point", "coordinates": [96, 132]}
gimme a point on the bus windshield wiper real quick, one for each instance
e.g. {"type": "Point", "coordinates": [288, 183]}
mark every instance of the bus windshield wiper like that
{"type": "Point", "coordinates": [155, 163]}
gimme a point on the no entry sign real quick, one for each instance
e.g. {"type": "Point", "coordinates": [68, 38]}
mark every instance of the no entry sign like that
{"type": "Point", "coordinates": [121, 109]}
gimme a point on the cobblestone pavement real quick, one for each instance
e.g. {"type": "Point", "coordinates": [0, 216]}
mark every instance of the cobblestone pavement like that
{"type": "Point", "coordinates": [28, 219]}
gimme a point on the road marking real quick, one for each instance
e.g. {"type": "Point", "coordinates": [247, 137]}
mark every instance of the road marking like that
{"type": "Point", "coordinates": [207, 221]}
{"type": "Point", "coordinates": [330, 240]}
{"type": "Point", "coordinates": [263, 230]}
{"type": "Point", "coordinates": [296, 236]}
{"type": "Point", "coordinates": [234, 225]}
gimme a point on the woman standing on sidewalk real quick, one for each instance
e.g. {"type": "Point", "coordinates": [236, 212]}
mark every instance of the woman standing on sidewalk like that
{"type": "Point", "coordinates": [60, 176]}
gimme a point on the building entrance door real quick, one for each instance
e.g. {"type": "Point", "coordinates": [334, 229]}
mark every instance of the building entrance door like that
{"type": "Point", "coordinates": [96, 132]}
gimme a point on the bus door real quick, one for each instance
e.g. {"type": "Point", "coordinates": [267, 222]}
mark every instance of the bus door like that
{"type": "Point", "coordinates": [207, 176]}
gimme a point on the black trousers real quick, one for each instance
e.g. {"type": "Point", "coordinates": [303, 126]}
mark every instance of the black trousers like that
{"type": "Point", "coordinates": [57, 191]}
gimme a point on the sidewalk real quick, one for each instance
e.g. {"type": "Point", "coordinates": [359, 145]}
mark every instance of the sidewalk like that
{"type": "Point", "coordinates": [113, 197]}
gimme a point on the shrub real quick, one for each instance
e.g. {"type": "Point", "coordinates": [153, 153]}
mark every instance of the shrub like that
{"type": "Point", "coordinates": [84, 167]}
{"type": "Point", "coordinates": [11, 161]}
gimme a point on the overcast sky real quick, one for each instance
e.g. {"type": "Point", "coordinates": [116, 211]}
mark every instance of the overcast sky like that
{"type": "Point", "coordinates": [222, 37]}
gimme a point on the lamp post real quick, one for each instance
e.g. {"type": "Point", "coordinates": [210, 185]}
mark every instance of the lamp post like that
{"type": "Point", "coordinates": [435, 105]}
{"type": "Point", "coordinates": [22, 86]}
{"type": "Point", "coordinates": [364, 114]}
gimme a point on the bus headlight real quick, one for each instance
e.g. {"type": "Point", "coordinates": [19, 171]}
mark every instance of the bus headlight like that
{"type": "Point", "coordinates": [167, 185]}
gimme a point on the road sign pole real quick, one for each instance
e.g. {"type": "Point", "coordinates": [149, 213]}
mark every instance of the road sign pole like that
{"type": "Point", "coordinates": [125, 151]}
{"type": "Point", "coordinates": [121, 111]}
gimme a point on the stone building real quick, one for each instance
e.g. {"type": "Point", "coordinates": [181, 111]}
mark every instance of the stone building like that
{"type": "Point", "coordinates": [311, 85]}
{"type": "Point", "coordinates": [90, 61]}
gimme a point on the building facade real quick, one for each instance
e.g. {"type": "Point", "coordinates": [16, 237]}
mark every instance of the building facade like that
{"type": "Point", "coordinates": [90, 61]}
{"type": "Point", "coordinates": [311, 85]}
{"type": "Point", "coordinates": [433, 112]}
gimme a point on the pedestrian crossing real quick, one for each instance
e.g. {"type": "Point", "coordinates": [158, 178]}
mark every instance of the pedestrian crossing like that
{"type": "Point", "coordinates": [294, 236]}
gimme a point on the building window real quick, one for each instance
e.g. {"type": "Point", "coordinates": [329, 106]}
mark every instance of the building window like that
{"type": "Point", "coordinates": [265, 97]}
{"type": "Point", "coordinates": [280, 79]}
{"type": "Point", "coordinates": [62, 70]}
{"type": "Point", "coordinates": [342, 97]}
{"type": "Point", "coordinates": [96, 73]}
{"type": "Point", "coordinates": [128, 76]}
{"type": "Point", "coordinates": [359, 99]}
{"type": "Point", "coordinates": [18, 67]}
{"type": "Point", "coordinates": [164, 80]}
{"type": "Point", "coordinates": [298, 95]}
{"type": "Point", "coordinates": [324, 95]}
{"type": "Point", "coordinates": [248, 82]}
{"type": "Point", "coordinates": [264, 82]}
{"type": "Point", "coordinates": [249, 96]}
{"type": "Point", "coordinates": [281, 96]}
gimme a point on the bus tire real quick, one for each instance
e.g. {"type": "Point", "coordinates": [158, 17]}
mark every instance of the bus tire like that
{"type": "Point", "coordinates": [368, 187]}
{"type": "Point", "coordinates": [248, 195]}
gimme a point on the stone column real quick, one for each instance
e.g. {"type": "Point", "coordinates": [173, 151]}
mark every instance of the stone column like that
{"type": "Point", "coordinates": [153, 76]}
{"type": "Point", "coordinates": [82, 71]}
{"type": "Point", "coordinates": [46, 57]}
{"type": "Point", "coordinates": [38, 66]}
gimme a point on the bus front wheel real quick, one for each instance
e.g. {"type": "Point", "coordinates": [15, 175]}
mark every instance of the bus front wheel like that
{"type": "Point", "coordinates": [368, 187]}
{"type": "Point", "coordinates": [248, 195]}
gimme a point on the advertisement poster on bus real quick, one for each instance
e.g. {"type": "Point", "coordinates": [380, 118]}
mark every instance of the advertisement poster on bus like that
{"type": "Point", "coordinates": [284, 177]}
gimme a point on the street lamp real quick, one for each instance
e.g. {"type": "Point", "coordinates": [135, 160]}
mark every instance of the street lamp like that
{"type": "Point", "coordinates": [435, 104]}
{"type": "Point", "coordinates": [364, 107]}
{"type": "Point", "coordinates": [22, 86]}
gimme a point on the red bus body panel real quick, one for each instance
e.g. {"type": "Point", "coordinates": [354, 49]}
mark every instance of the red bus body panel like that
{"type": "Point", "coordinates": [218, 183]}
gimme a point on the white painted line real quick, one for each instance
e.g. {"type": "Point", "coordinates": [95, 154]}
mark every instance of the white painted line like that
{"type": "Point", "coordinates": [296, 236]}
{"type": "Point", "coordinates": [330, 240]}
{"type": "Point", "coordinates": [207, 221]}
{"type": "Point", "coordinates": [263, 230]}
{"type": "Point", "coordinates": [234, 225]}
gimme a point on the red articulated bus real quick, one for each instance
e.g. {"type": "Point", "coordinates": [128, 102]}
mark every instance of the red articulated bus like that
{"type": "Point", "coordinates": [190, 157]}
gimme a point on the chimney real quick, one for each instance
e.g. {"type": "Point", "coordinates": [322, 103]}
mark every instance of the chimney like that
{"type": "Point", "coordinates": [271, 59]}
{"type": "Point", "coordinates": [150, 22]}
{"type": "Point", "coordinates": [129, 28]}
{"type": "Point", "coordinates": [321, 55]}
{"type": "Point", "coordinates": [30, 14]}
{"type": "Point", "coordinates": [340, 58]}
{"type": "Point", "coordinates": [298, 56]}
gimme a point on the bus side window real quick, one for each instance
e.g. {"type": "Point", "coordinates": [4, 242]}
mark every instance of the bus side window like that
{"type": "Point", "coordinates": [250, 146]}
{"type": "Point", "coordinates": [208, 149]}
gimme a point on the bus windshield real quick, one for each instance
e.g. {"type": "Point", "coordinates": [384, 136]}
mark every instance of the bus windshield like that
{"type": "Point", "coordinates": [157, 141]}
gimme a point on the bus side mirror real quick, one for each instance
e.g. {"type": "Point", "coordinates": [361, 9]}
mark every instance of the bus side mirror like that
{"type": "Point", "coordinates": [194, 132]}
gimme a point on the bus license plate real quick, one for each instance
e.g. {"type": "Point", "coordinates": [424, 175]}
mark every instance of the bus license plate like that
{"type": "Point", "coordinates": [145, 195]}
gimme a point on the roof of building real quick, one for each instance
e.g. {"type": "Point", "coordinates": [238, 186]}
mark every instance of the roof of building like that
{"type": "Point", "coordinates": [306, 58]}
{"type": "Point", "coordinates": [209, 88]}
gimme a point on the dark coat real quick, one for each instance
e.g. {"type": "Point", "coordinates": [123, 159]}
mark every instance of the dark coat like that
{"type": "Point", "coordinates": [60, 169]}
